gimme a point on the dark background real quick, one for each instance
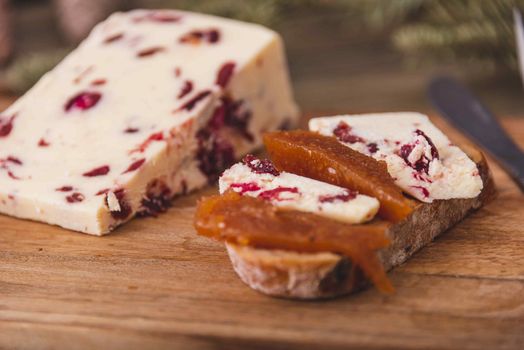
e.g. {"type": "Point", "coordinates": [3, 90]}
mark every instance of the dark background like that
{"type": "Point", "coordinates": [334, 68]}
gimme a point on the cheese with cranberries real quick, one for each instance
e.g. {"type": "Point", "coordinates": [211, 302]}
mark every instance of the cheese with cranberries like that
{"type": "Point", "coordinates": [259, 178]}
{"type": "Point", "coordinates": [154, 103]}
{"type": "Point", "coordinates": [420, 158]}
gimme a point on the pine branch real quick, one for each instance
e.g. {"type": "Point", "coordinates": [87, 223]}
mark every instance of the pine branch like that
{"type": "Point", "coordinates": [425, 30]}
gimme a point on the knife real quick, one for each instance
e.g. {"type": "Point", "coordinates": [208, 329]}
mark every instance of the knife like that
{"type": "Point", "coordinates": [519, 38]}
{"type": "Point", "coordinates": [458, 105]}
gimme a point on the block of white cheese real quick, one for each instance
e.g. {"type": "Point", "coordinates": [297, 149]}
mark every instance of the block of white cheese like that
{"type": "Point", "coordinates": [154, 103]}
{"type": "Point", "coordinates": [420, 158]}
{"type": "Point", "coordinates": [259, 178]}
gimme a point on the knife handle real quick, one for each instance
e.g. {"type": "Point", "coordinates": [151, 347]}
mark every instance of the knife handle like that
{"type": "Point", "coordinates": [467, 114]}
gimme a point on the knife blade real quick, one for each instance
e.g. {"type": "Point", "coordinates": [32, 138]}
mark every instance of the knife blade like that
{"type": "Point", "coordinates": [458, 105]}
{"type": "Point", "coordinates": [519, 38]}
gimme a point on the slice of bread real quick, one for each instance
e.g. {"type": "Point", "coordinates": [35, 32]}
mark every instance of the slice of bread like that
{"type": "Point", "coordinates": [324, 275]}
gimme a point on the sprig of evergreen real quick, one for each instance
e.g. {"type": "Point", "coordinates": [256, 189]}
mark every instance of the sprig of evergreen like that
{"type": "Point", "coordinates": [475, 31]}
{"type": "Point", "coordinates": [459, 30]}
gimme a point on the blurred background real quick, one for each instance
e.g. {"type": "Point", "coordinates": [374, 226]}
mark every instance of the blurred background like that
{"type": "Point", "coordinates": [344, 55]}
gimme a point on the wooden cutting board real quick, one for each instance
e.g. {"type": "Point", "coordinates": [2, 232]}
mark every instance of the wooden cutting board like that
{"type": "Point", "coordinates": [155, 284]}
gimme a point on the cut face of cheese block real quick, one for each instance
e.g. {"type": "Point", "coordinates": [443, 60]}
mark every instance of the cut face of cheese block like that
{"type": "Point", "coordinates": [258, 178]}
{"type": "Point", "coordinates": [420, 158]}
{"type": "Point", "coordinates": [152, 104]}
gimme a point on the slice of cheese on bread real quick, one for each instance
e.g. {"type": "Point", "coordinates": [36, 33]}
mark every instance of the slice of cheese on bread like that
{"type": "Point", "coordinates": [291, 191]}
{"type": "Point", "coordinates": [322, 275]}
{"type": "Point", "coordinates": [420, 158]}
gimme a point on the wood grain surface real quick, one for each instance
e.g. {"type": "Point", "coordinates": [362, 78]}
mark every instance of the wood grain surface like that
{"type": "Point", "coordinates": [155, 284]}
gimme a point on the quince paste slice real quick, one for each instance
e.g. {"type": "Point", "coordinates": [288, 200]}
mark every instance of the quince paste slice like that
{"type": "Point", "coordinates": [325, 159]}
{"type": "Point", "coordinates": [255, 222]}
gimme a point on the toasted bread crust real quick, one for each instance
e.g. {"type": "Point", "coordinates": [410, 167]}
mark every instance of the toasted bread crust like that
{"type": "Point", "coordinates": [325, 275]}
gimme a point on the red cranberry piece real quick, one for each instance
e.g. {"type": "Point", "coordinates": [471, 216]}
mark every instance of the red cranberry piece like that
{"type": "Point", "coordinates": [164, 17]}
{"type": "Point", "coordinates": [214, 154]}
{"type": "Point", "coordinates": [230, 114]}
{"type": "Point", "coordinates": [135, 165]}
{"type": "Point", "coordinates": [64, 189]}
{"type": "Point", "coordinates": [43, 143]}
{"type": "Point", "coordinates": [156, 200]}
{"type": "Point", "coordinates": [405, 151]}
{"type": "Point", "coordinates": [421, 172]}
{"type": "Point", "coordinates": [6, 125]}
{"type": "Point", "coordinates": [343, 133]}
{"type": "Point", "coordinates": [420, 177]}
{"type": "Point", "coordinates": [424, 191]}
{"type": "Point", "coordinates": [186, 89]}
{"type": "Point", "coordinates": [98, 82]}
{"type": "Point", "coordinates": [212, 36]}
{"type": "Point", "coordinates": [103, 170]}
{"type": "Point", "coordinates": [14, 160]}
{"type": "Point", "coordinates": [189, 105]}
{"type": "Point", "coordinates": [150, 52]}
{"type": "Point", "coordinates": [224, 74]}
{"type": "Point", "coordinates": [158, 136]}
{"type": "Point", "coordinates": [245, 187]}
{"type": "Point", "coordinates": [4, 165]}
{"type": "Point", "coordinates": [434, 151]}
{"type": "Point", "coordinates": [372, 147]}
{"type": "Point", "coordinates": [160, 17]}
{"type": "Point", "coordinates": [12, 175]}
{"type": "Point", "coordinates": [218, 119]}
{"type": "Point", "coordinates": [83, 101]}
{"type": "Point", "coordinates": [75, 197]}
{"type": "Point", "coordinates": [131, 130]}
{"type": "Point", "coordinates": [194, 37]}
{"type": "Point", "coordinates": [260, 166]}
{"type": "Point", "coordinates": [343, 197]}
{"type": "Point", "coordinates": [152, 206]}
{"type": "Point", "coordinates": [125, 207]}
{"type": "Point", "coordinates": [274, 194]}
{"type": "Point", "coordinates": [113, 38]}
{"type": "Point", "coordinates": [421, 164]}
{"type": "Point", "coordinates": [104, 191]}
